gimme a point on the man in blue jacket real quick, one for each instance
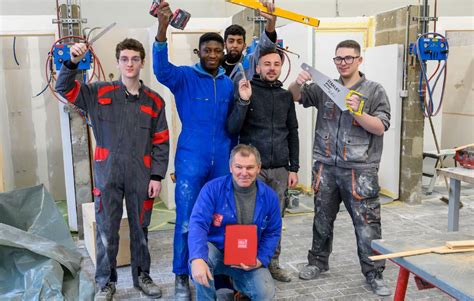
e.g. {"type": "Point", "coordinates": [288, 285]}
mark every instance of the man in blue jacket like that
{"type": "Point", "coordinates": [203, 95]}
{"type": "Point", "coordinates": [239, 198]}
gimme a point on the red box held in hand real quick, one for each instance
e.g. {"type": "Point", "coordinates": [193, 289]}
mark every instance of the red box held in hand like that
{"type": "Point", "coordinates": [240, 245]}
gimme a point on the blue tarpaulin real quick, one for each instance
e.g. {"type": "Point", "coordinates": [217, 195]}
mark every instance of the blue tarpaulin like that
{"type": "Point", "coordinates": [38, 257]}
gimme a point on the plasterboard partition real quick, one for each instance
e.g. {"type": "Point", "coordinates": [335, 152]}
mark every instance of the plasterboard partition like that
{"type": "Point", "coordinates": [458, 105]}
{"type": "Point", "coordinates": [2, 181]}
{"type": "Point", "coordinates": [459, 74]}
{"type": "Point", "coordinates": [390, 76]}
{"type": "Point", "coordinates": [316, 47]}
{"type": "Point", "coordinates": [299, 39]}
{"type": "Point", "coordinates": [17, 25]}
{"type": "Point", "coordinates": [11, 26]}
{"type": "Point", "coordinates": [36, 162]}
{"type": "Point", "coordinates": [37, 26]}
{"type": "Point", "coordinates": [6, 166]}
{"type": "Point", "coordinates": [181, 44]}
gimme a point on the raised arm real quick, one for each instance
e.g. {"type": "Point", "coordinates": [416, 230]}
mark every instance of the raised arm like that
{"type": "Point", "coordinates": [79, 94]}
{"type": "Point", "coordinates": [236, 118]}
{"type": "Point", "coordinates": [267, 38]}
{"type": "Point", "coordinates": [165, 72]}
{"type": "Point", "coordinates": [295, 87]}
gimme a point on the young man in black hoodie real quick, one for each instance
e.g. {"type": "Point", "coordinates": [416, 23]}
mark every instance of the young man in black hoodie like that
{"type": "Point", "coordinates": [264, 116]}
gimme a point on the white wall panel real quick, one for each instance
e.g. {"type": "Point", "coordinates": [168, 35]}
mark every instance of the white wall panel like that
{"type": "Point", "coordinates": [384, 64]}
{"type": "Point", "coordinates": [298, 38]}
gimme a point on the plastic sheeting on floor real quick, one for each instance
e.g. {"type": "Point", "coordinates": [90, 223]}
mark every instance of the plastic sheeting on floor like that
{"type": "Point", "coordinates": [38, 257]}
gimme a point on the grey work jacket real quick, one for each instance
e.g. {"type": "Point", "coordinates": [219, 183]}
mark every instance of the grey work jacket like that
{"type": "Point", "coordinates": [338, 139]}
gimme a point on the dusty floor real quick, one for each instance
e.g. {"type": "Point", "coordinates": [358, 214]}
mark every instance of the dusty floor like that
{"type": "Point", "coordinates": [344, 280]}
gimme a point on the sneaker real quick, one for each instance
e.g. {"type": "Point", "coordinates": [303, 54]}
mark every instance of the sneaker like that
{"type": "Point", "coordinates": [309, 272]}
{"type": "Point", "coordinates": [181, 288]}
{"type": "Point", "coordinates": [377, 284]}
{"type": "Point", "coordinates": [105, 293]}
{"type": "Point", "coordinates": [149, 288]}
{"type": "Point", "coordinates": [279, 274]}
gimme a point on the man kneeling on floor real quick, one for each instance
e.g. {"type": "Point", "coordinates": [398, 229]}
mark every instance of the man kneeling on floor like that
{"type": "Point", "coordinates": [238, 198]}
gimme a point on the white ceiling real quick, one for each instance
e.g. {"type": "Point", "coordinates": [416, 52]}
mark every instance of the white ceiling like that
{"type": "Point", "coordinates": [134, 13]}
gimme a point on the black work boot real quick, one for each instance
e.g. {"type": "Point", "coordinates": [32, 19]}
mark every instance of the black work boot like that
{"type": "Point", "coordinates": [149, 288]}
{"type": "Point", "coordinates": [181, 288]}
{"type": "Point", "coordinates": [377, 284]}
{"type": "Point", "coordinates": [278, 273]}
{"type": "Point", "coordinates": [105, 293]}
{"type": "Point", "coordinates": [309, 272]}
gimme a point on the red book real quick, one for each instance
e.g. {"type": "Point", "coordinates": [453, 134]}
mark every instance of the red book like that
{"type": "Point", "coordinates": [240, 245]}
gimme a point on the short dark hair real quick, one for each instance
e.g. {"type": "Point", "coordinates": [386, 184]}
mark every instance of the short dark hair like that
{"type": "Point", "coordinates": [270, 51]}
{"type": "Point", "coordinates": [235, 30]}
{"type": "Point", "coordinates": [349, 44]}
{"type": "Point", "coordinates": [210, 36]}
{"type": "Point", "coordinates": [130, 44]}
{"type": "Point", "coordinates": [245, 151]}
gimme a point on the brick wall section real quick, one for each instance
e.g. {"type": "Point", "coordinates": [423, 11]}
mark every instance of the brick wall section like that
{"type": "Point", "coordinates": [391, 29]}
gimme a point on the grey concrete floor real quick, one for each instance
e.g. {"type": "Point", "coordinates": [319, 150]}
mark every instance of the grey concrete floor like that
{"type": "Point", "coordinates": [344, 280]}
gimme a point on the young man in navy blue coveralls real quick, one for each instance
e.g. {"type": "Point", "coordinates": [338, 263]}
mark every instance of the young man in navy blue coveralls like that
{"type": "Point", "coordinates": [130, 159]}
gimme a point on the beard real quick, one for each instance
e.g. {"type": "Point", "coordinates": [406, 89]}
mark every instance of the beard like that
{"type": "Point", "coordinates": [266, 77]}
{"type": "Point", "coordinates": [233, 57]}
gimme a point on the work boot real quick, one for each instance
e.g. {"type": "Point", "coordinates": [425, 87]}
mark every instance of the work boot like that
{"type": "Point", "coordinates": [181, 288]}
{"type": "Point", "coordinates": [149, 288]}
{"type": "Point", "coordinates": [105, 293]}
{"type": "Point", "coordinates": [377, 284]}
{"type": "Point", "coordinates": [309, 272]}
{"type": "Point", "coordinates": [279, 274]}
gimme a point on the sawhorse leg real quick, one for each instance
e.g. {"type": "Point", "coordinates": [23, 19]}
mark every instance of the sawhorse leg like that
{"type": "Point", "coordinates": [453, 208]}
{"type": "Point", "coordinates": [432, 184]}
{"type": "Point", "coordinates": [402, 283]}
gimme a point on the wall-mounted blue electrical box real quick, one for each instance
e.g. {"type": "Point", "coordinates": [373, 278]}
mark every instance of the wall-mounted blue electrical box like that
{"type": "Point", "coordinates": [433, 49]}
{"type": "Point", "coordinates": [62, 53]}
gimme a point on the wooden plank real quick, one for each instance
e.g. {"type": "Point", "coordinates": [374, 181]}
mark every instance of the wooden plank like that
{"type": "Point", "coordinates": [456, 244]}
{"type": "Point", "coordinates": [463, 147]}
{"type": "Point", "coordinates": [401, 254]}
{"type": "Point", "coordinates": [450, 247]}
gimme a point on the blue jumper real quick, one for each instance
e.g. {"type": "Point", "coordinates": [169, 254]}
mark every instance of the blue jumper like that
{"type": "Point", "coordinates": [202, 153]}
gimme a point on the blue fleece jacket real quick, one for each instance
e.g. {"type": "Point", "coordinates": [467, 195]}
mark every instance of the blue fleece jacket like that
{"type": "Point", "coordinates": [215, 208]}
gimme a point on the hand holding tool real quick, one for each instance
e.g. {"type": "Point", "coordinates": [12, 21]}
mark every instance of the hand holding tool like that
{"type": "Point", "coordinates": [178, 20]}
{"type": "Point", "coordinates": [242, 70]}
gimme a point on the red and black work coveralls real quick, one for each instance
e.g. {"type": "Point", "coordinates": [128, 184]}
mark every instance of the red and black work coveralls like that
{"type": "Point", "coordinates": [132, 140]}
